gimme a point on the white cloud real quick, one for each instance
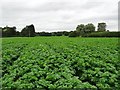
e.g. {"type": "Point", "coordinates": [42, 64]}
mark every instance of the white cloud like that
{"type": "Point", "coordinates": [52, 15]}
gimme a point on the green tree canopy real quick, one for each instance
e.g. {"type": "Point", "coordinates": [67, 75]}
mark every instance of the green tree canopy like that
{"type": "Point", "coordinates": [80, 29]}
{"type": "Point", "coordinates": [89, 28]}
{"type": "Point", "coordinates": [8, 31]}
{"type": "Point", "coordinates": [28, 31]}
{"type": "Point", "coordinates": [73, 34]}
{"type": "Point", "coordinates": [102, 26]}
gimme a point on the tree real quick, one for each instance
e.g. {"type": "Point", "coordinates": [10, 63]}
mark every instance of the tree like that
{"type": "Point", "coordinates": [101, 27]}
{"type": "Point", "coordinates": [73, 34]}
{"type": "Point", "coordinates": [45, 34]}
{"type": "Point", "coordinates": [8, 31]}
{"type": "Point", "coordinates": [13, 31]}
{"type": "Point", "coordinates": [89, 28]}
{"type": "Point", "coordinates": [28, 31]}
{"type": "Point", "coordinates": [17, 33]}
{"type": "Point", "coordinates": [65, 33]}
{"type": "Point", "coordinates": [80, 29]}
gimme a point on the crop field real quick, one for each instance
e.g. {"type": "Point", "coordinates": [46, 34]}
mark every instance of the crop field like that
{"type": "Point", "coordinates": [60, 62]}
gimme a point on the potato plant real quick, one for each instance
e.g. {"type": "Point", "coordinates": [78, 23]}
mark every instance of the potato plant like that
{"type": "Point", "coordinates": [60, 63]}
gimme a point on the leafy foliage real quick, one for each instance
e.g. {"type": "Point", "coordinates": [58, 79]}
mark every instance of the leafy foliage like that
{"type": "Point", "coordinates": [8, 31]}
{"type": "Point", "coordinates": [103, 34]}
{"type": "Point", "coordinates": [102, 27]}
{"type": "Point", "coordinates": [74, 34]}
{"type": "Point", "coordinates": [60, 62]}
{"type": "Point", "coordinates": [28, 31]}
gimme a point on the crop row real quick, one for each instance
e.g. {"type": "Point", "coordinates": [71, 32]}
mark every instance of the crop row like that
{"type": "Point", "coordinates": [60, 63]}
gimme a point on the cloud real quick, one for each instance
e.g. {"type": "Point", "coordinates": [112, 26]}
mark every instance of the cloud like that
{"type": "Point", "coordinates": [56, 15]}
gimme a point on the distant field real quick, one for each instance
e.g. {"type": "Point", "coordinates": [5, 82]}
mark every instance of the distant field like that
{"type": "Point", "coordinates": [60, 62]}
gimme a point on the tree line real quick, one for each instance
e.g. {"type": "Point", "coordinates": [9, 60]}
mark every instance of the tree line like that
{"type": "Point", "coordinates": [28, 31]}
{"type": "Point", "coordinates": [81, 30]}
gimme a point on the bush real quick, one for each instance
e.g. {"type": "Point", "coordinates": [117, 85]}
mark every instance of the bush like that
{"type": "Point", "coordinates": [103, 34]}
{"type": "Point", "coordinates": [73, 34]}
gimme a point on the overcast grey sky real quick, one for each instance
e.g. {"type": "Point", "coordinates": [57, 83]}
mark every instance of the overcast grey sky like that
{"type": "Point", "coordinates": [58, 15]}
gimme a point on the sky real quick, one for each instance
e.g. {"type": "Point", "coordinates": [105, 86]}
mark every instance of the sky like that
{"type": "Point", "coordinates": [58, 15]}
